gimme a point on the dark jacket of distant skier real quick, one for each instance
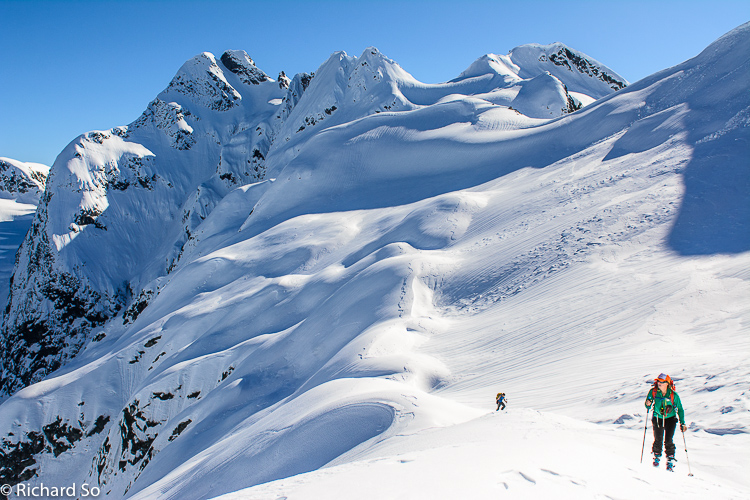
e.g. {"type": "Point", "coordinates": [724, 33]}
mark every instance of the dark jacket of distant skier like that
{"type": "Point", "coordinates": [667, 407]}
{"type": "Point", "coordinates": [500, 400]}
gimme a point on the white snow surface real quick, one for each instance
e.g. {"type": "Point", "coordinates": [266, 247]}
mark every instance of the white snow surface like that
{"type": "Point", "coordinates": [340, 329]}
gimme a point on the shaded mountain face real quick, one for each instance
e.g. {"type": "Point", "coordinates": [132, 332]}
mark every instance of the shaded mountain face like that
{"type": "Point", "coordinates": [254, 270]}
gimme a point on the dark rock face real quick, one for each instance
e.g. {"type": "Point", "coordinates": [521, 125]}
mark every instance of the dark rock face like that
{"type": "Point", "coordinates": [136, 439]}
{"type": "Point", "coordinates": [565, 57]}
{"type": "Point", "coordinates": [239, 63]}
{"type": "Point", "coordinates": [36, 344]}
{"type": "Point", "coordinates": [136, 434]}
{"type": "Point", "coordinates": [573, 105]}
{"type": "Point", "coordinates": [129, 444]}
{"type": "Point", "coordinates": [178, 430]}
{"type": "Point", "coordinates": [18, 458]}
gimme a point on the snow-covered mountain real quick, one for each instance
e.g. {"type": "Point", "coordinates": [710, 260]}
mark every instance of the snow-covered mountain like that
{"type": "Point", "coordinates": [127, 201]}
{"type": "Point", "coordinates": [551, 79]}
{"type": "Point", "coordinates": [21, 186]}
{"type": "Point", "coordinates": [121, 204]}
{"type": "Point", "coordinates": [260, 278]}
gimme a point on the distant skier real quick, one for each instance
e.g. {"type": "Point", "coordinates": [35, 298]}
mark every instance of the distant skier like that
{"type": "Point", "coordinates": [500, 400]}
{"type": "Point", "coordinates": [667, 406]}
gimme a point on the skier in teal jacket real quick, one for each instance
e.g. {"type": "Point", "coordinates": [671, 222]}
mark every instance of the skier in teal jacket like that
{"type": "Point", "coordinates": [667, 407]}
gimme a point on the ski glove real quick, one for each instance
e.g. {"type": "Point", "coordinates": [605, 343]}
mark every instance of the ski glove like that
{"type": "Point", "coordinates": [683, 427]}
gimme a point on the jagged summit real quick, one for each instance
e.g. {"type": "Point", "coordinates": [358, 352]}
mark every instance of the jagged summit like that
{"type": "Point", "coordinates": [578, 71]}
{"type": "Point", "coordinates": [203, 82]}
{"type": "Point", "coordinates": [284, 81]}
{"type": "Point", "coordinates": [344, 88]}
{"type": "Point", "coordinates": [215, 84]}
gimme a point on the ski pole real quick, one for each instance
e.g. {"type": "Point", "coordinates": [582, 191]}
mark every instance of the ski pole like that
{"type": "Point", "coordinates": [690, 473]}
{"type": "Point", "coordinates": [643, 447]}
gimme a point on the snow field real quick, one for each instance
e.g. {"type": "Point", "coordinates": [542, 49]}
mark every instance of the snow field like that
{"type": "Point", "coordinates": [516, 453]}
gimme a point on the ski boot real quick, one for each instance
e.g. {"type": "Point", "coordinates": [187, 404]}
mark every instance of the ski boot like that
{"type": "Point", "coordinates": [657, 458]}
{"type": "Point", "coordinates": [671, 463]}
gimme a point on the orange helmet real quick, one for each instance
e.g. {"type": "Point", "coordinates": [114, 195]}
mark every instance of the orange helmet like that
{"type": "Point", "coordinates": [663, 377]}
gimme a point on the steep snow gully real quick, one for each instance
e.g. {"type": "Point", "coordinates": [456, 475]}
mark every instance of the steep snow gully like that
{"type": "Point", "coordinates": [313, 287]}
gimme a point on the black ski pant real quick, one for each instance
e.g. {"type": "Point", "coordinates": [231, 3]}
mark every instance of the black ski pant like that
{"type": "Point", "coordinates": [664, 433]}
{"type": "Point", "coordinates": [499, 404]}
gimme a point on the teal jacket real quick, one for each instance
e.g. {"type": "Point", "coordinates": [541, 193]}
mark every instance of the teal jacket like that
{"type": "Point", "coordinates": [663, 405]}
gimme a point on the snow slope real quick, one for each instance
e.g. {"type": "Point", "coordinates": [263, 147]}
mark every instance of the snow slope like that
{"type": "Point", "coordinates": [346, 321]}
{"type": "Point", "coordinates": [573, 306]}
{"type": "Point", "coordinates": [520, 453]}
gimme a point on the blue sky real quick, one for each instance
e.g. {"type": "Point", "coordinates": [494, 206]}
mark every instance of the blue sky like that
{"type": "Point", "coordinates": [74, 66]}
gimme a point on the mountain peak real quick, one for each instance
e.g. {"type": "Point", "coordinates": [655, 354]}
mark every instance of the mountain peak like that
{"type": "Point", "coordinates": [203, 82]}
{"type": "Point", "coordinates": [344, 88]}
{"type": "Point", "coordinates": [574, 68]}
{"type": "Point", "coordinates": [491, 64]}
